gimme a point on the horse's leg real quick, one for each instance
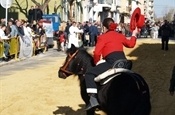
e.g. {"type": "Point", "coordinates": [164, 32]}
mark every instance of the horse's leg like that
{"type": "Point", "coordinates": [90, 112]}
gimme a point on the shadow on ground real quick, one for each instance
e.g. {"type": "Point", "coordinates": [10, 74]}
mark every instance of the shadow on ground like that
{"type": "Point", "coordinates": [66, 110]}
{"type": "Point", "coordinates": [156, 65]}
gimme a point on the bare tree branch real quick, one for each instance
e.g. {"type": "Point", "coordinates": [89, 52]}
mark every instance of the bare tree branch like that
{"type": "Point", "coordinates": [46, 2]}
{"type": "Point", "coordinates": [57, 7]}
{"type": "Point", "coordinates": [71, 2]}
{"type": "Point", "coordinates": [22, 10]}
{"type": "Point", "coordinates": [35, 2]}
{"type": "Point", "coordinates": [42, 6]}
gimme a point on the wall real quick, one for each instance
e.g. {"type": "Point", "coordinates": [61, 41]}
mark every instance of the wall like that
{"type": "Point", "coordinates": [25, 5]}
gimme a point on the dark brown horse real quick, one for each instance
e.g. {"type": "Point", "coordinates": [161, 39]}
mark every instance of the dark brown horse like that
{"type": "Point", "coordinates": [125, 94]}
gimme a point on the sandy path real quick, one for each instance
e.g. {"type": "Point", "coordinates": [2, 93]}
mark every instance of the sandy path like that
{"type": "Point", "coordinates": [38, 91]}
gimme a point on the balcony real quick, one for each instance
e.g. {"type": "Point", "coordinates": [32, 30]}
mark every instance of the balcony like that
{"type": "Point", "coordinates": [150, 4]}
{"type": "Point", "coordinates": [118, 2]}
{"type": "Point", "coordinates": [105, 1]}
{"type": "Point", "coordinates": [150, 12]}
{"type": "Point", "coordinates": [128, 9]}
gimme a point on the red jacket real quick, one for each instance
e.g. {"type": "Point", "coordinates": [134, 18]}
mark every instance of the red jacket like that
{"type": "Point", "coordinates": [110, 42]}
{"type": "Point", "coordinates": [62, 39]}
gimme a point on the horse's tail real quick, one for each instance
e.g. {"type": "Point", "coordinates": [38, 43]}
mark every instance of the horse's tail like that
{"type": "Point", "coordinates": [144, 105]}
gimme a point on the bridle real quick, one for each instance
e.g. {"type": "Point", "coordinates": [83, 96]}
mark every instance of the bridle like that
{"type": "Point", "coordinates": [63, 68]}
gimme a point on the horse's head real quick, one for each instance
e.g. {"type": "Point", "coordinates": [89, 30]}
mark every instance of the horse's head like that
{"type": "Point", "coordinates": [66, 69]}
{"type": "Point", "coordinates": [76, 62]}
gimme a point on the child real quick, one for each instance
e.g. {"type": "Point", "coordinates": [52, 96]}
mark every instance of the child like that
{"type": "Point", "coordinates": [62, 40]}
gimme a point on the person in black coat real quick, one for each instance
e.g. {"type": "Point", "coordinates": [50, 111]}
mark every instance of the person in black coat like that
{"type": "Point", "coordinates": [93, 32]}
{"type": "Point", "coordinates": [85, 33]}
{"type": "Point", "coordinates": [68, 25]}
{"type": "Point", "coordinates": [20, 29]}
{"type": "Point", "coordinates": [165, 33]}
{"type": "Point", "coordinates": [37, 14]}
{"type": "Point", "coordinates": [31, 14]}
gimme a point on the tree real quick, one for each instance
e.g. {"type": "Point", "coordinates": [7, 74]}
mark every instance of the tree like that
{"type": "Point", "coordinates": [71, 7]}
{"type": "Point", "coordinates": [71, 4]}
{"type": "Point", "coordinates": [24, 8]}
{"type": "Point", "coordinates": [129, 2]}
{"type": "Point", "coordinates": [57, 6]}
{"type": "Point", "coordinates": [169, 15]}
{"type": "Point", "coordinates": [42, 6]}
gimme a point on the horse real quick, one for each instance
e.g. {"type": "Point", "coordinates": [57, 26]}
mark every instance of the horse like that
{"type": "Point", "coordinates": [126, 94]}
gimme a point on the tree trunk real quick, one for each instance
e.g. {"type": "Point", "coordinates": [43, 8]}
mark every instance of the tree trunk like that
{"type": "Point", "coordinates": [47, 9]}
{"type": "Point", "coordinates": [71, 4]}
{"type": "Point", "coordinates": [71, 12]}
{"type": "Point", "coordinates": [42, 6]}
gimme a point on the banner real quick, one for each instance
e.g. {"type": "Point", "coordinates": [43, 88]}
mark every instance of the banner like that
{"type": "Point", "coordinates": [48, 29]}
{"type": "Point", "coordinates": [26, 47]}
{"type": "Point", "coordinates": [55, 19]}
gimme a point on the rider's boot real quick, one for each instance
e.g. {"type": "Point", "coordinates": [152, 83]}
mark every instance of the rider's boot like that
{"type": "Point", "coordinates": [93, 102]}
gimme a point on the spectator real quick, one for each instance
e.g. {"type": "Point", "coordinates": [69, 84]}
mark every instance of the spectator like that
{"type": "Point", "coordinates": [73, 39]}
{"type": "Point", "coordinates": [26, 32]}
{"type": "Point", "coordinates": [38, 13]}
{"type": "Point", "coordinates": [93, 32]}
{"type": "Point", "coordinates": [6, 45]}
{"type": "Point", "coordinates": [155, 31]}
{"type": "Point", "coordinates": [20, 28]}
{"type": "Point", "coordinates": [62, 40]}
{"type": "Point", "coordinates": [14, 31]}
{"type": "Point", "coordinates": [2, 21]}
{"type": "Point", "coordinates": [31, 14]}
{"type": "Point", "coordinates": [165, 29]}
{"type": "Point", "coordinates": [85, 33]}
{"type": "Point", "coordinates": [67, 29]}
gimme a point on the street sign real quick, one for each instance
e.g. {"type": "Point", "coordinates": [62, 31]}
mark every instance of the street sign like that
{"type": "Point", "coordinates": [6, 4]}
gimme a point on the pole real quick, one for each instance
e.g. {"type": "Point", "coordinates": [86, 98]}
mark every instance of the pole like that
{"type": "Point", "coordinates": [6, 15]}
{"type": "Point", "coordinates": [66, 19]}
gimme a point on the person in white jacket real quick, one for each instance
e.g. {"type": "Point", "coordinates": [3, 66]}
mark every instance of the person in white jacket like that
{"type": "Point", "coordinates": [73, 37]}
{"type": "Point", "coordinates": [155, 30]}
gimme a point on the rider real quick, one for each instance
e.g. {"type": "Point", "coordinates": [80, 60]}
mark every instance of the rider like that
{"type": "Point", "coordinates": [110, 47]}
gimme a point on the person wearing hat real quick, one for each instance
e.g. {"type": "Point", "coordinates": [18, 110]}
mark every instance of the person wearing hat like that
{"type": "Point", "coordinates": [110, 47]}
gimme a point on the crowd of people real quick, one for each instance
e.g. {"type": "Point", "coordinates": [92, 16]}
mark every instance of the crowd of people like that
{"type": "Point", "coordinates": [77, 33]}
{"type": "Point", "coordinates": [20, 28]}
{"type": "Point", "coordinates": [86, 33]}
{"type": "Point", "coordinates": [163, 30]}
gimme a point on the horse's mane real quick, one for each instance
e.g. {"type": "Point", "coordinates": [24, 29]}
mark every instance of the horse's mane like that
{"type": "Point", "coordinates": [82, 61]}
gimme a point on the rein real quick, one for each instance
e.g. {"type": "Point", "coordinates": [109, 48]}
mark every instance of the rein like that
{"type": "Point", "coordinates": [63, 68]}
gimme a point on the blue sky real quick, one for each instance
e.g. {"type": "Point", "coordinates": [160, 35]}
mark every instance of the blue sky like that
{"type": "Point", "coordinates": [160, 6]}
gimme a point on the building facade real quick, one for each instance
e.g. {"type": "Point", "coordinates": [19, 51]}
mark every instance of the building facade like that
{"type": "Point", "coordinates": [119, 10]}
{"type": "Point", "coordinates": [97, 10]}
{"type": "Point", "coordinates": [149, 9]}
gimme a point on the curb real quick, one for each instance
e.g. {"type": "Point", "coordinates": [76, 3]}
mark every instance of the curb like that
{"type": "Point", "coordinates": [49, 53]}
{"type": "Point", "coordinates": [11, 62]}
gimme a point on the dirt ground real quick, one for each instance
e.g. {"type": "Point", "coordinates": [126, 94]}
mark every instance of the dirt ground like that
{"type": "Point", "coordinates": [38, 91]}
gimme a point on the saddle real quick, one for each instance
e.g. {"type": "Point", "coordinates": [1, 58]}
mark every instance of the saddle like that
{"type": "Point", "coordinates": [118, 67]}
{"type": "Point", "coordinates": [123, 63]}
